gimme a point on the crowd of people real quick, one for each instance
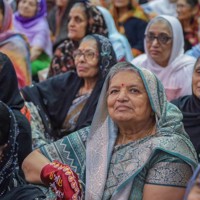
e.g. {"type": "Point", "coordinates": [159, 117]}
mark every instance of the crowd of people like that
{"type": "Point", "coordinates": [100, 99]}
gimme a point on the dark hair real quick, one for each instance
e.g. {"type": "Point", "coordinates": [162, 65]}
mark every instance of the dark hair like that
{"type": "Point", "coordinates": [192, 3]}
{"type": "Point", "coordinates": [2, 7]}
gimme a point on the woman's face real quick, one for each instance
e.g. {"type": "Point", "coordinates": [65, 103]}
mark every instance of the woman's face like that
{"type": "Point", "coordinates": [27, 8]}
{"type": "Point", "coordinates": [196, 80]}
{"type": "Point", "coordinates": [77, 24]}
{"type": "Point", "coordinates": [86, 59]}
{"type": "Point", "coordinates": [121, 3]}
{"type": "Point", "coordinates": [127, 99]}
{"type": "Point", "coordinates": [184, 10]}
{"type": "Point", "coordinates": [159, 51]}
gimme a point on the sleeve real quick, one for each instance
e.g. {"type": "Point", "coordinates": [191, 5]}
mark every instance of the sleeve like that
{"type": "Point", "coordinates": [170, 171]}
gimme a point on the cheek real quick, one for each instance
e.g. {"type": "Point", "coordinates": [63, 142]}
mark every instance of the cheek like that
{"type": "Point", "coordinates": [110, 104]}
{"type": "Point", "coordinates": [81, 32]}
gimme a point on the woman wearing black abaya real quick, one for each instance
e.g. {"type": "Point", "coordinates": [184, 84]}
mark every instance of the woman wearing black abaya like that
{"type": "Point", "coordinates": [190, 107]}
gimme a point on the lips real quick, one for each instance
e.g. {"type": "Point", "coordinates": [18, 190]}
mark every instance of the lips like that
{"type": "Point", "coordinates": [154, 52]}
{"type": "Point", "coordinates": [81, 68]}
{"type": "Point", "coordinates": [122, 108]}
{"type": "Point", "coordinates": [72, 31]}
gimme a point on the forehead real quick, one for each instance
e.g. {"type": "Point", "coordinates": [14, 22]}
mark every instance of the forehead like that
{"type": "Point", "coordinates": [127, 78]}
{"type": "Point", "coordinates": [182, 2]}
{"type": "Point", "coordinates": [30, 1]}
{"type": "Point", "coordinates": [77, 10]}
{"type": "Point", "coordinates": [159, 27]}
{"type": "Point", "coordinates": [88, 44]}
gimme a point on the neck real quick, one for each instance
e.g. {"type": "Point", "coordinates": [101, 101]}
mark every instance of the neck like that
{"type": "Point", "coordinates": [88, 86]}
{"type": "Point", "coordinates": [129, 134]}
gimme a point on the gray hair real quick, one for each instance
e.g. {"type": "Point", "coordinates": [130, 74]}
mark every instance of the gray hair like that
{"type": "Point", "coordinates": [162, 20]}
{"type": "Point", "coordinates": [121, 66]}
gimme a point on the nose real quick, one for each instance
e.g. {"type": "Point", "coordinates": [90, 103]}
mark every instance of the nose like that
{"type": "Point", "coordinates": [123, 96]}
{"type": "Point", "coordinates": [71, 22]}
{"type": "Point", "coordinates": [155, 42]}
{"type": "Point", "coordinates": [82, 58]}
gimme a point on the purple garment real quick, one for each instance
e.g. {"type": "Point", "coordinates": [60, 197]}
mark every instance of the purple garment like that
{"type": "Point", "coordinates": [36, 28]}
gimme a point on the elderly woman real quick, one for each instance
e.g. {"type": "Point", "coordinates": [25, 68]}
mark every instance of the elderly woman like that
{"type": "Point", "coordinates": [69, 101]}
{"type": "Point", "coordinates": [30, 19]}
{"type": "Point", "coordinates": [164, 56]}
{"type": "Point", "coordinates": [83, 19]}
{"type": "Point", "coordinates": [136, 147]}
{"type": "Point", "coordinates": [190, 108]}
{"type": "Point", "coordinates": [14, 45]}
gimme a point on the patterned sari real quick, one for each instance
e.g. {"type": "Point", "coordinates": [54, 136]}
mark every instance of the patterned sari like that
{"type": "Point", "coordinates": [114, 172]}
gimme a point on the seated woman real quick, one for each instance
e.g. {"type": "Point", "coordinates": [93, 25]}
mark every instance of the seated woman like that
{"type": "Point", "coordinates": [83, 19]}
{"type": "Point", "coordinates": [190, 108]}
{"type": "Point", "coordinates": [188, 13]}
{"type": "Point", "coordinates": [15, 137]}
{"type": "Point", "coordinates": [164, 56]}
{"type": "Point", "coordinates": [14, 45]}
{"type": "Point", "coordinates": [136, 147]}
{"type": "Point", "coordinates": [30, 20]}
{"type": "Point", "coordinates": [69, 100]}
{"type": "Point", "coordinates": [131, 21]}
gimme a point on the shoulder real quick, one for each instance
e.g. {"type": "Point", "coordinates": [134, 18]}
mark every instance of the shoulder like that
{"type": "Point", "coordinates": [182, 101]}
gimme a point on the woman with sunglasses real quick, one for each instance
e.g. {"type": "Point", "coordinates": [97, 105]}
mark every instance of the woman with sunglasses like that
{"type": "Point", "coordinates": [67, 102]}
{"type": "Point", "coordinates": [164, 48]}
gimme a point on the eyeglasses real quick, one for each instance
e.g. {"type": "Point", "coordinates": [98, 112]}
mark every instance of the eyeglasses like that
{"type": "Point", "coordinates": [161, 38]}
{"type": "Point", "coordinates": [88, 54]}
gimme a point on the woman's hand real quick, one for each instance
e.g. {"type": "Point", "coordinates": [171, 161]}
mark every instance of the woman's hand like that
{"type": "Point", "coordinates": [35, 53]}
{"type": "Point", "coordinates": [32, 166]}
{"type": "Point", "coordinates": [62, 180]}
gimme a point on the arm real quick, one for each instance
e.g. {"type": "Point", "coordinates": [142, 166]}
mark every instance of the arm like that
{"type": "Point", "coordinates": [156, 192]}
{"type": "Point", "coordinates": [32, 166]}
{"type": "Point", "coordinates": [35, 52]}
{"type": "Point", "coordinates": [167, 178]}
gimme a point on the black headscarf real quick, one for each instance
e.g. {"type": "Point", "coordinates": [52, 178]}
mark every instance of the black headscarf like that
{"type": "Point", "coordinates": [190, 108]}
{"type": "Point", "coordinates": [9, 92]}
{"type": "Point", "coordinates": [55, 95]}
